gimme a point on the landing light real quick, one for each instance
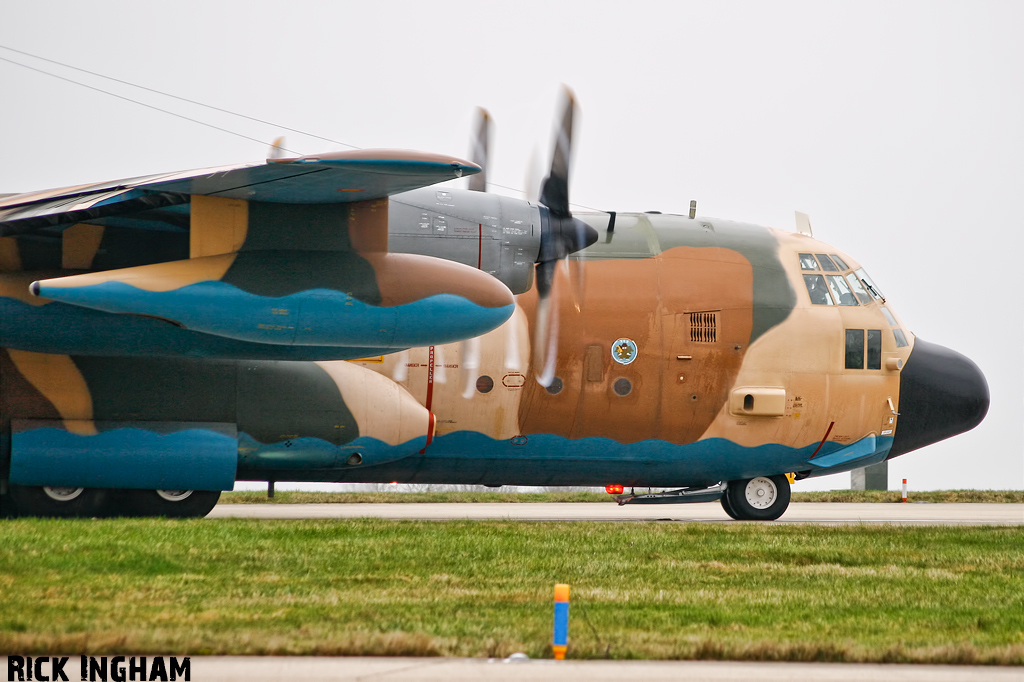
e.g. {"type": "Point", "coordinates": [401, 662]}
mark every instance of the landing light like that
{"type": "Point", "coordinates": [613, 489]}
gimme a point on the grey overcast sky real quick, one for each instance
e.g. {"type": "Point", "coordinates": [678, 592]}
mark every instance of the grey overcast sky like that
{"type": "Point", "coordinates": [898, 126]}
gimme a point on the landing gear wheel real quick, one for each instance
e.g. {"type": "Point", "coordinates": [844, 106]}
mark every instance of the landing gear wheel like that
{"type": "Point", "coordinates": [174, 504]}
{"type": "Point", "coordinates": [763, 498]}
{"type": "Point", "coordinates": [727, 506]}
{"type": "Point", "coordinates": [57, 501]}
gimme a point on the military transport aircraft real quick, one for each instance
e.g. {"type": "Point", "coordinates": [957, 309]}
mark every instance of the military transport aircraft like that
{"type": "Point", "coordinates": [335, 318]}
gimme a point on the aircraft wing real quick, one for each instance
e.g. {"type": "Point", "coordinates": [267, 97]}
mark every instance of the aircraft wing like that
{"type": "Point", "coordinates": [291, 252]}
{"type": "Point", "coordinates": [339, 177]}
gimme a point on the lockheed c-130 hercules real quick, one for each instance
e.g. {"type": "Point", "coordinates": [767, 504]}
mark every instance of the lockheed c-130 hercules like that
{"type": "Point", "coordinates": [334, 318]}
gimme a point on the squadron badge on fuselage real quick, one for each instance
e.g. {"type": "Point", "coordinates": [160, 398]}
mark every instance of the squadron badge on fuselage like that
{"type": "Point", "coordinates": [624, 351]}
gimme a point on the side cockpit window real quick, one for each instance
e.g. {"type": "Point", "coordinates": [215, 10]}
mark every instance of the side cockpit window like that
{"type": "Point", "coordinates": [858, 288]}
{"type": "Point", "coordinates": [897, 333]}
{"type": "Point", "coordinates": [817, 290]}
{"type": "Point", "coordinates": [874, 349]}
{"type": "Point", "coordinates": [870, 285]}
{"type": "Point", "coordinates": [855, 349]}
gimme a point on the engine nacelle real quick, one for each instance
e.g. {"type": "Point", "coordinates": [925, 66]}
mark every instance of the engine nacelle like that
{"type": "Point", "coordinates": [498, 235]}
{"type": "Point", "coordinates": [304, 298]}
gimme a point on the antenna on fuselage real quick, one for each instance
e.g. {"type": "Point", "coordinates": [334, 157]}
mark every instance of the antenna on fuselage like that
{"type": "Point", "coordinates": [693, 209]}
{"type": "Point", "coordinates": [803, 224]}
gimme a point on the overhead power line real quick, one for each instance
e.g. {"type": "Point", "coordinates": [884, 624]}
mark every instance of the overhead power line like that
{"type": "Point", "coordinates": [189, 101]}
{"type": "Point", "coordinates": [162, 93]}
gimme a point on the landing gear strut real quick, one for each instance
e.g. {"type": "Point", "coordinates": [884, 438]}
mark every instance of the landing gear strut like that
{"type": "Point", "coordinates": [763, 498]}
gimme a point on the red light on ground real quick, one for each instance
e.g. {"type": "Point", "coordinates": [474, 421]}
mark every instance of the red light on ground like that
{"type": "Point", "coordinates": [614, 489]}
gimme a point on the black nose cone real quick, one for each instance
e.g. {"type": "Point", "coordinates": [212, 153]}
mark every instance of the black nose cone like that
{"type": "Point", "coordinates": [942, 393]}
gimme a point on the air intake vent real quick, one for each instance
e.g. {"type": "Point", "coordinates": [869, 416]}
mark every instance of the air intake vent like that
{"type": "Point", "coordinates": [704, 327]}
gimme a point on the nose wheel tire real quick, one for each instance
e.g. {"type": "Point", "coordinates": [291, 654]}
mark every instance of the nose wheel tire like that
{"type": "Point", "coordinates": [175, 504]}
{"type": "Point", "coordinates": [762, 498]}
{"type": "Point", "coordinates": [58, 501]}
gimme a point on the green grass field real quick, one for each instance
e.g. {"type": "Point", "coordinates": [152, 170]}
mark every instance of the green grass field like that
{"type": "Point", "coordinates": [639, 590]}
{"type": "Point", "coordinates": [296, 497]}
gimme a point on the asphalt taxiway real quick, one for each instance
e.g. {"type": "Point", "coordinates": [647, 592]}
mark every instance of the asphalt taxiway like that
{"type": "Point", "coordinates": [966, 514]}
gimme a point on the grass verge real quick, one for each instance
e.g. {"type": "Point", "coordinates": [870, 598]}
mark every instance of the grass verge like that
{"type": "Point", "coordinates": [297, 497]}
{"type": "Point", "coordinates": [639, 590]}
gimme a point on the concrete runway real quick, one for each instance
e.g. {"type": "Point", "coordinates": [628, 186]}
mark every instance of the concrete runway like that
{"type": "Point", "coordinates": [256, 669]}
{"type": "Point", "coordinates": [709, 512]}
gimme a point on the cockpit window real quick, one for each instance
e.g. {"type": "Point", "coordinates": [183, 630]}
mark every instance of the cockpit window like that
{"type": "Point", "coordinates": [841, 290]}
{"type": "Point", "coordinates": [854, 349]}
{"type": "Point", "coordinates": [817, 290]}
{"type": "Point", "coordinates": [807, 262]}
{"type": "Point", "coordinates": [826, 263]}
{"type": "Point", "coordinates": [840, 262]}
{"type": "Point", "coordinates": [874, 349]}
{"type": "Point", "coordinates": [897, 333]}
{"type": "Point", "coordinates": [870, 285]}
{"type": "Point", "coordinates": [858, 288]}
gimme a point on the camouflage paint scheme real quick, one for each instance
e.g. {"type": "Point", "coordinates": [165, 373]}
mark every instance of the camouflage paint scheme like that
{"type": "Point", "coordinates": [679, 425]}
{"type": "Point", "coordinates": [279, 416]}
{"type": "Point", "coordinates": [191, 329]}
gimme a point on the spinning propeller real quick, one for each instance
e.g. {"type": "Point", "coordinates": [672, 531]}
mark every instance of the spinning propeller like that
{"type": "Point", "coordinates": [469, 351]}
{"type": "Point", "coordinates": [561, 234]}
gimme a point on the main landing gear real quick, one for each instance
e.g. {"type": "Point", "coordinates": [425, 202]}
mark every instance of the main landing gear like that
{"type": "Point", "coordinates": [67, 502]}
{"type": "Point", "coordinates": [174, 504]}
{"type": "Point", "coordinates": [762, 498]}
{"type": "Point", "coordinates": [57, 501]}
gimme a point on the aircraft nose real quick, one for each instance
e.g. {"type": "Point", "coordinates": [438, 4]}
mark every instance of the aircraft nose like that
{"type": "Point", "coordinates": [942, 393]}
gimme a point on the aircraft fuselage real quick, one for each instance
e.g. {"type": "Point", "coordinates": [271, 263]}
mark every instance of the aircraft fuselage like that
{"type": "Point", "coordinates": [687, 351]}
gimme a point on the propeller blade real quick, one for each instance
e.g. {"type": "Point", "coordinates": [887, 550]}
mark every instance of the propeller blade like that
{"type": "Point", "coordinates": [469, 364]}
{"type": "Point", "coordinates": [480, 150]}
{"type": "Point", "coordinates": [575, 268]}
{"type": "Point", "coordinates": [555, 192]}
{"type": "Point", "coordinates": [576, 275]}
{"type": "Point", "coordinates": [545, 338]}
{"type": "Point", "coordinates": [561, 234]}
{"type": "Point", "coordinates": [545, 352]}
{"type": "Point", "coordinates": [440, 375]}
{"type": "Point", "coordinates": [276, 150]}
{"type": "Point", "coordinates": [533, 180]}
{"type": "Point", "coordinates": [512, 359]}
{"type": "Point", "coordinates": [401, 371]}
{"type": "Point", "coordinates": [581, 259]}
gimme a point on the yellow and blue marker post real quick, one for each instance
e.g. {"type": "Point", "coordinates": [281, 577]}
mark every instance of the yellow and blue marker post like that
{"type": "Point", "coordinates": [560, 639]}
